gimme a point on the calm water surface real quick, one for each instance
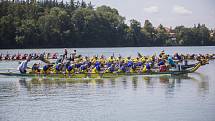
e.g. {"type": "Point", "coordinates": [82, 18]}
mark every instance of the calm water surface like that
{"type": "Point", "coordinates": [130, 98]}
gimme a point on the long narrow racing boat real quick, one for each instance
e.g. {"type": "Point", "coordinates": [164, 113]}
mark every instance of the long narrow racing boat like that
{"type": "Point", "coordinates": [108, 75]}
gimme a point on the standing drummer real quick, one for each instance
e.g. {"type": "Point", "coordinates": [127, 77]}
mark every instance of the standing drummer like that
{"type": "Point", "coordinates": [74, 55]}
{"type": "Point", "coordinates": [65, 53]}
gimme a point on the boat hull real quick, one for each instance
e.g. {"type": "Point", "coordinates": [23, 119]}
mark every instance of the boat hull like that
{"type": "Point", "coordinates": [92, 75]}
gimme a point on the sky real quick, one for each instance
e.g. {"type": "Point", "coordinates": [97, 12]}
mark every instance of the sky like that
{"type": "Point", "coordinates": [169, 13]}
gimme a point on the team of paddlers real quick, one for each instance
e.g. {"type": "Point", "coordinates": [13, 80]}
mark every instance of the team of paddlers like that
{"type": "Point", "coordinates": [100, 64]}
{"type": "Point", "coordinates": [37, 56]}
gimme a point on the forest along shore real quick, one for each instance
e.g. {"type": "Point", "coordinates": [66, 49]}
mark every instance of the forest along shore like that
{"type": "Point", "coordinates": [49, 24]}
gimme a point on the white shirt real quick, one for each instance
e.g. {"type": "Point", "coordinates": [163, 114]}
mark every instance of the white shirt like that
{"type": "Point", "coordinates": [23, 65]}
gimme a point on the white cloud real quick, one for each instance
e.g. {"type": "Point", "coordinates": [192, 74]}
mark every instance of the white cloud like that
{"type": "Point", "coordinates": [181, 10]}
{"type": "Point", "coordinates": [151, 9]}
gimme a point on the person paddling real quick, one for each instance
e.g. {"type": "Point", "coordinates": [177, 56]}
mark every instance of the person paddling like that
{"type": "Point", "coordinates": [24, 65]}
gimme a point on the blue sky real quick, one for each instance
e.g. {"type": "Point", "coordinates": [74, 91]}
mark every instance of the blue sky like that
{"type": "Point", "coordinates": [165, 12]}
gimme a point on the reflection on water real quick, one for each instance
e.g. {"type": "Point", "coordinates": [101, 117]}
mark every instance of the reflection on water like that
{"type": "Point", "coordinates": [88, 98]}
{"type": "Point", "coordinates": [45, 85]}
{"type": "Point", "coordinates": [49, 86]}
{"type": "Point", "coordinates": [134, 82]}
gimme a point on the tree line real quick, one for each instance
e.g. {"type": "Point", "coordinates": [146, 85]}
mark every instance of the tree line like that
{"type": "Point", "coordinates": [49, 23]}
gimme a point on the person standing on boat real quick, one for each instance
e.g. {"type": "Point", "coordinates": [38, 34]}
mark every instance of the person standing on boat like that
{"type": "Point", "coordinates": [1, 56]}
{"type": "Point", "coordinates": [65, 53]}
{"type": "Point", "coordinates": [24, 65]}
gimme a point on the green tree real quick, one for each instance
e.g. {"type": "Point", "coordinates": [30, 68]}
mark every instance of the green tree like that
{"type": "Point", "coordinates": [135, 35]}
{"type": "Point", "coordinates": [7, 32]}
{"type": "Point", "coordinates": [149, 32]}
{"type": "Point", "coordinates": [161, 36]}
{"type": "Point", "coordinates": [52, 23]}
{"type": "Point", "coordinates": [53, 26]}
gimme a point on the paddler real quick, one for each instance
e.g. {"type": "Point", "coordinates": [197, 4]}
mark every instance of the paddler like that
{"type": "Point", "coordinates": [162, 53]}
{"type": "Point", "coordinates": [47, 69]}
{"type": "Point", "coordinates": [133, 69]}
{"type": "Point", "coordinates": [122, 68]}
{"type": "Point", "coordinates": [96, 69]}
{"type": "Point", "coordinates": [161, 62]}
{"type": "Point", "coordinates": [171, 62]}
{"type": "Point", "coordinates": [162, 66]}
{"type": "Point", "coordinates": [58, 68]}
{"type": "Point", "coordinates": [146, 68]}
{"type": "Point", "coordinates": [177, 56]}
{"type": "Point", "coordinates": [70, 69]}
{"type": "Point", "coordinates": [35, 68]}
{"type": "Point", "coordinates": [83, 68]}
{"type": "Point", "coordinates": [110, 69]}
{"type": "Point", "coordinates": [24, 65]}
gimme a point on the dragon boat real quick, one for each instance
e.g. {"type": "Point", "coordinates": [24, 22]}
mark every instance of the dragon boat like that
{"type": "Point", "coordinates": [187, 70]}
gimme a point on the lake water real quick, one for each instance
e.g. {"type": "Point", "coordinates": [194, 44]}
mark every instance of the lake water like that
{"type": "Point", "coordinates": [129, 98]}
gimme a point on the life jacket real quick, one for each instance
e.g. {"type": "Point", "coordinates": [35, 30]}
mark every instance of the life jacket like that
{"type": "Point", "coordinates": [94, 70]}
{"type": "Point", "coordinates": [135, 60]}
{"type": "Point", "coordinates": [144, 70]}
{"type": "Point", "coordinates": [110, 60]}
{"type": "Point", "coordinates": [143, 59]}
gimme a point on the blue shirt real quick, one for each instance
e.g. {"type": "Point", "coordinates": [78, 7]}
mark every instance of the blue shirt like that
{"type": "Point", "coordinates": [170, 61]}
